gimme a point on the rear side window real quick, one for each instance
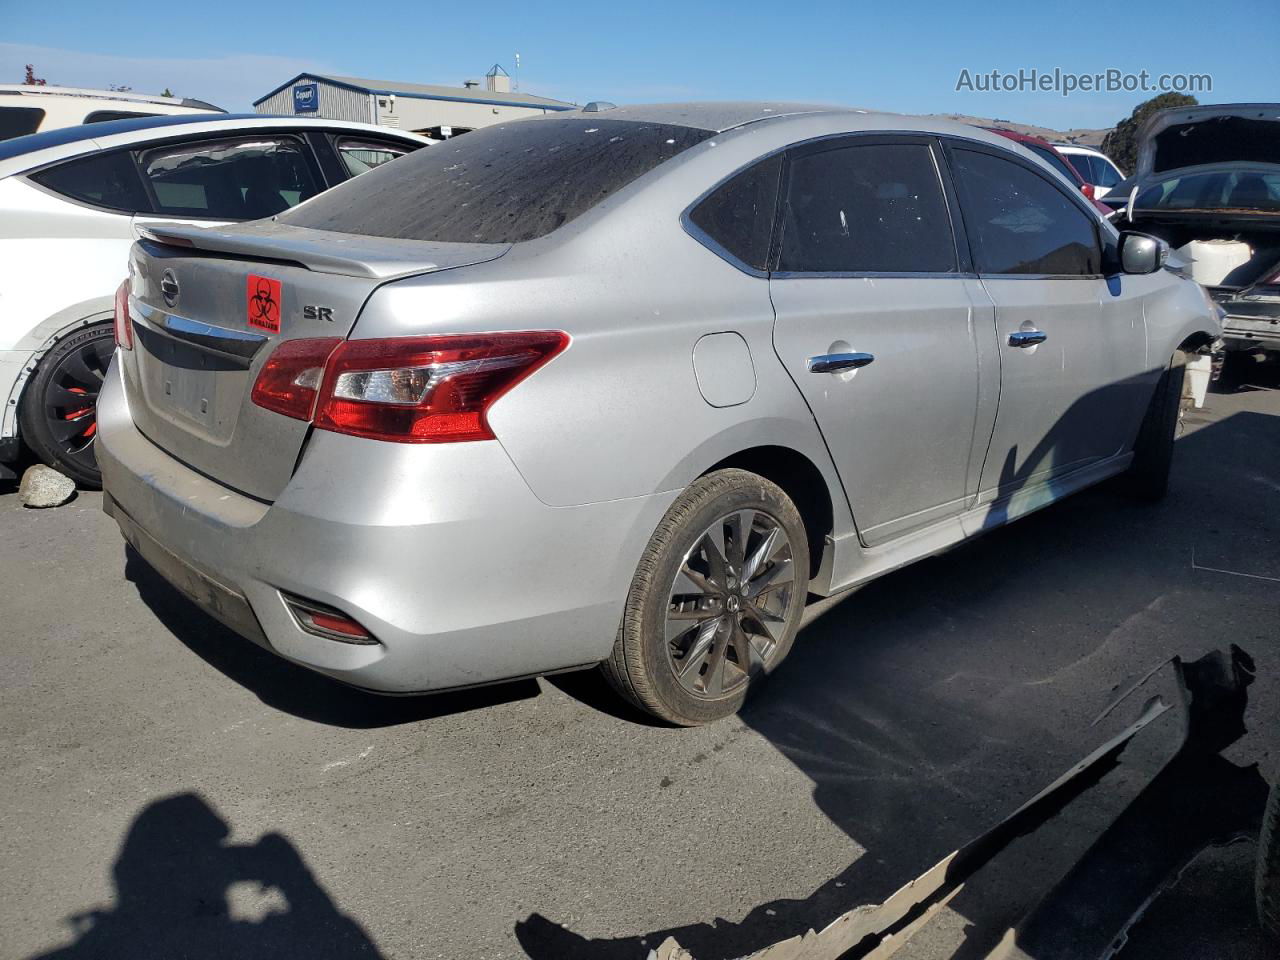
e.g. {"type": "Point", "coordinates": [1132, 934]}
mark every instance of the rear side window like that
{"type": "Point", "coordinates": [1019, 223]}
{"type": "Point", "coordinates": [103, 179]}
{"type": "Point", "coordinates": [874, 208]}
{"type": "Point", "coordinates": [1106, 174]}
{"type": "Point", "coordinates": [237, 179]}
{"type": "Point", "coordinates": [361, 156]}
{"type": "Point", "coordinates": [503, 184]}
{"type": "Point", "coordinates": [738, 215]}
{"type": "Point", "coordinates": [19, 121]}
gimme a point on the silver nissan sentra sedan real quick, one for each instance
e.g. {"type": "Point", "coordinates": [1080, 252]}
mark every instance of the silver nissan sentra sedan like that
{"type": "Point", "coordinates": [625, 386]}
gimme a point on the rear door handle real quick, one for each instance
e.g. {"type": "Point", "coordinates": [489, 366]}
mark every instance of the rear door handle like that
{"type": "Point", "coordinates": [1027, 338]}
{"type": "Point", "coordinates": [835, 362]}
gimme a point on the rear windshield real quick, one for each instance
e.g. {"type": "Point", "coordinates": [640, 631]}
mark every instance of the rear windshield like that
{"type": "Point", "coordinates": [19, 121]}
{"type": "Point", "coordinates": [502, 184]}
{"type": "Point", "coordinates": [1238, 190]}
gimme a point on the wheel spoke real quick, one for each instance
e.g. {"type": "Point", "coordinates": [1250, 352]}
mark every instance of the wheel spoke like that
{"type": "Point", "coordinates": [739, 525]}
{"type": "Point", "coordinates": [689, 666]}
{"type": "Point", "coordinates": [764, 618]}
{"type": "Point", "coordinates": [696, 613]}
{"type": "Point", "coordinates": [690, 582]}
{"type": "Point", "coordinates": [714, 547]}
{"type": "Point", "coordinates": [64, 431]}
{"type": "Point", "coordinates": [762, 554]}
{"type": "Point", "coordinates": [58, 397]}
{"type": "Point", "coordinates": [749, 658]}
{"type": "Point", "coordinates": [78, 370]}
{"type": "Point", "coordinates": [780, 574]}
{"type": "Point", "coordinates": [714, 677]}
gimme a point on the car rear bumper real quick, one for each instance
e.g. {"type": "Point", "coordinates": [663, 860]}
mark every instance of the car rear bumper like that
{"type": "Point", "coordinates": [441, 551]}
{"type": "Point", "coordinates": [1249, 333]}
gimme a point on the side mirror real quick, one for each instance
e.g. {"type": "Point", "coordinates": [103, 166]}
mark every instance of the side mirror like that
{"type": "Point", "coordinates": [1141, 253]}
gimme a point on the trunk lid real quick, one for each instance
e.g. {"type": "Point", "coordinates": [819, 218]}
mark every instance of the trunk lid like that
{"type": "Point", "coordinates": [208, 308]}
{"type": "Point", "coordinates": [1200, 136]}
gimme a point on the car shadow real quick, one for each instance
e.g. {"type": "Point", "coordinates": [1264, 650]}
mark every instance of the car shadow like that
{"type": "Point", "coordinates": [288, 687]}
{"type": "Point", "coordinates": [182, 890]}
{"type": "Point", "coordinates": [930, 703]}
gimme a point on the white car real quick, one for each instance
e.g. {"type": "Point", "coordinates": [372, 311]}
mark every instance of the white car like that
{"type": "Point", "coordinates": [70, 201]}
{"type": "Point", "coordinates": [27, 109]}
{"type": "Point", "coordinates": [1092, 165]}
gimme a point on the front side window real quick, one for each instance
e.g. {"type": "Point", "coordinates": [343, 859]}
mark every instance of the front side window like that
{"type": "Point", "coordinates": [102, 179]}
{"type": "Point", "coordinates": [1020, 223]}
{"type": "Point", "coordinates": [502, 184]}
{"type": "Point", "coordinates": [870, 208]}
{"type": "Point", "coordinates": [245, 178]}
{"type": "Point", "coordinates": [738, 215]}
{"type": "Point", "coordinates": [361, 156]}
{"type": "Point", "coordinates": [19, 121]}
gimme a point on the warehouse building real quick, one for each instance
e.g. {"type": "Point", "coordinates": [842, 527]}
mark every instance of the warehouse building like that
{"type": "Point", "coordinates": [430, 110]}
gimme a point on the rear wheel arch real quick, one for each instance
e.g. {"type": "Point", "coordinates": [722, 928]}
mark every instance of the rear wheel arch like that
{"type": "Point", "coordinates": [801, 480]}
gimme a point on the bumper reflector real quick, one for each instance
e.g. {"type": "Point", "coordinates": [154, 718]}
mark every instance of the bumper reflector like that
{"type": "Point", "coordinates": [324, 621]}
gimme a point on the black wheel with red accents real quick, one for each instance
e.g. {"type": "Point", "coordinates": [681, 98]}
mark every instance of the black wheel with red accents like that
{"type": "Point", "coordinates": [58, 416]}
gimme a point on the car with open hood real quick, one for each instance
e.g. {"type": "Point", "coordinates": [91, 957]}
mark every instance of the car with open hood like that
{"type": "Point", "coordinates": [1208, 182]}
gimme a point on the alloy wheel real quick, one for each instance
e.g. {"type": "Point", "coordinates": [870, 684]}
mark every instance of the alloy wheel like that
{"type": "Point", "coordinates": [726, 612]}
{"type": "Point", "coordinates": [70, 401]}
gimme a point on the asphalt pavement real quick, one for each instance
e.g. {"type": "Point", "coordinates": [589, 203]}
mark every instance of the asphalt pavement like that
{"type": "Point", "coordinates": [170, 790]}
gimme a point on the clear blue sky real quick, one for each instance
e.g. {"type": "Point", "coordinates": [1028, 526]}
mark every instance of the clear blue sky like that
{"type": "Point", "coordinates": [899, 55]}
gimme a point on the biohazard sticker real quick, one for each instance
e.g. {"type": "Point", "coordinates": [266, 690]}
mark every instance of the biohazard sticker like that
{"type": "Point", "coordinates": [263, 303]}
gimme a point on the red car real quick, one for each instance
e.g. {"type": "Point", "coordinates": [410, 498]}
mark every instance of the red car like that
{"type": "Point", "coordinates": [1046, 152]}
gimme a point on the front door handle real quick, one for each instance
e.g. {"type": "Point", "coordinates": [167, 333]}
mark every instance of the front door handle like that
{"type": "Point", "coordinates": [835, 362]}
{"type": "Point", "coordinates": [1027, 338]}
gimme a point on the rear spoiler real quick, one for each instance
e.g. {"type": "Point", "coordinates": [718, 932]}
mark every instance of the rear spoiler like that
{"type": "Point", "coordinates": [324, 251]}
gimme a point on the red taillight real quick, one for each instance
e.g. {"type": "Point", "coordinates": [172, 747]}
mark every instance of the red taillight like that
{"type": "Point", "coordinates": [405, 389]}
{"type": "Point", "coordinates": [290, 381]}
{"type": "Point", "coordinates": [123, 329]}
{"type": "Point", "coordinates": [1087, 190]}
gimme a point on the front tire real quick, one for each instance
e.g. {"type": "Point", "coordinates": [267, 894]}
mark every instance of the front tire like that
{"type": "Point", "coordinates": [716, 601]}
{"type": "Point", "coordinates": [59, 413]}
{"type": "Point", "coordinates": [1148, 475]}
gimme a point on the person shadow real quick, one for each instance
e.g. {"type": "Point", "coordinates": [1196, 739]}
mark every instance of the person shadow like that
{"type": "Point", "coordinates": [183, 890]}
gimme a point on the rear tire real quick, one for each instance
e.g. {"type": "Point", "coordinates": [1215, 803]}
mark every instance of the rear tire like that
{"type": "Point", "coordinates": [58, 418]}
{"type": "Point", "coordinates": [716, 601]}
{"type": "Point", "coordinates": [1268, 875]}
{"type": "Point", "coordinates": [1148, 475]}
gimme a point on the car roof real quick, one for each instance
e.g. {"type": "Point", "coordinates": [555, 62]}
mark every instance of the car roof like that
{"type": "Point", "coordinates": [1020, 137]}
{"type": "Point", "coordinates": [48, 92]}
{"type": "Point", "coordinates": [37, 149]}
{"type": "Point", "coordinates": [714, 115]}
